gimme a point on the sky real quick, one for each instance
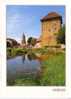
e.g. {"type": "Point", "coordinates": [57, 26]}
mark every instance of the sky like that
{"type": "Point", "coordinates": [26, 19]}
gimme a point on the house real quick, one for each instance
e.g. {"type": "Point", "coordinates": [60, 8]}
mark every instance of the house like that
{"type": "Point", "coordinates": [11, 43]}
{"type": "Point", "coordinates": [50, 25]}
{"type": "Point", "coordinates": [37, 45]}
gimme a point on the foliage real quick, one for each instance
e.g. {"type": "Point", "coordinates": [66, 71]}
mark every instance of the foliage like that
{"type": "Point", "coordinates": [12, 52]}
{"type": "Point", "coordinates": [31, 41]}
{"type": "Point", "coordinates": [61, 35]}
{"type": "Point", "coordinates": [12, 43]}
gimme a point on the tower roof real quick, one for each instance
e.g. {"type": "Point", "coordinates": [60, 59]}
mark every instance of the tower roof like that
{"type": "Point", "coordinates": [51, 15]}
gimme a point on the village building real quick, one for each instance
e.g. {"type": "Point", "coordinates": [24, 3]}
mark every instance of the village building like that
{"type": "Point", "coordinates": [12, 43]}
{"type": "Point", "coordinates": [50, 25]}
{"type": "Point", "coordinates": [37, 45]}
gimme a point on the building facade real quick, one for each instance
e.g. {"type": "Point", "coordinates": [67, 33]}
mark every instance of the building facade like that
{"type": "Point", "coordinates": [50, 25]}
{"type": "Point", "coordinates": [11, 43]}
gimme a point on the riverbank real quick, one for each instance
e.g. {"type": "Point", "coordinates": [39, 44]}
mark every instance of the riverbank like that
{"type": "Point", "coordinates": [52, 67]}
{"type": "Point", "coordinates": [52, 74]}
{"type": "Point", "coordinates": [12, 52]}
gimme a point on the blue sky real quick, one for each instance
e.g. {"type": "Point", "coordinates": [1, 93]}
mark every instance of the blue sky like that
{"type": "Point", "coordinates": [20, 18]}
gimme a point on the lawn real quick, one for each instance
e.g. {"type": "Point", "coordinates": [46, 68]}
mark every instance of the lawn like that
{"type": "Point", "coordinates": [54, 70]}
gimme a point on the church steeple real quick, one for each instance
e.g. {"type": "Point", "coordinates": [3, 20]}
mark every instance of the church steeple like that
{"type": "Point", "coordinates": [23, 40]}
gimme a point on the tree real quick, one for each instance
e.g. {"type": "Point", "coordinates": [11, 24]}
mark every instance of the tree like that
{"type": "Point", "coordinates": [31, 41]}
{"type": "Point", "coordinates": [61, 35]}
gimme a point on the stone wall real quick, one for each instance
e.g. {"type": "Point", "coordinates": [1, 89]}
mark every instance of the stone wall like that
{"type": "Point", "coordinates": [49, 31]}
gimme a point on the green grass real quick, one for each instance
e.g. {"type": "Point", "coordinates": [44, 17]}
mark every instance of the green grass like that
{"type": "Point", "coordinates": [12, 52]}
{"type": "Point", "coordinates": [29, 81]}
{"type": "Point", "coordinates": [54, 71]}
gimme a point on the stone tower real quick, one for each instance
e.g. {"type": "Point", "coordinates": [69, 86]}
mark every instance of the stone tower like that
{"type": "Point", "coordinates": [50, 25]}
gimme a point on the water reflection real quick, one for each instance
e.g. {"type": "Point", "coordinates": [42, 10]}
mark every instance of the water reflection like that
{"type": "Point", "coordinates": [27, 67]}
{"type": "Point", "coordinates": [23, 58]}
{"type": "Point", "coordinates": [31, 56]}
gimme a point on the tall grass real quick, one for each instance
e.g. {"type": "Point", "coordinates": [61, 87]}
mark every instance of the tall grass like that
{"type": "Point", "coordinates": [54, 71]}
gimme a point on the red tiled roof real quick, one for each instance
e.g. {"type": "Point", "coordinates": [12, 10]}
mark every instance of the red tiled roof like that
{"type": "Point", "coordinates": [51, 15]}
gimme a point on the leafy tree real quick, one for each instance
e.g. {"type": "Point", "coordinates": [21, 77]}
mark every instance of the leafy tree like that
{"type": "Point", "coordinates": [61, 35]}
{"type": "Point", "coordinates": [31, 41]}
